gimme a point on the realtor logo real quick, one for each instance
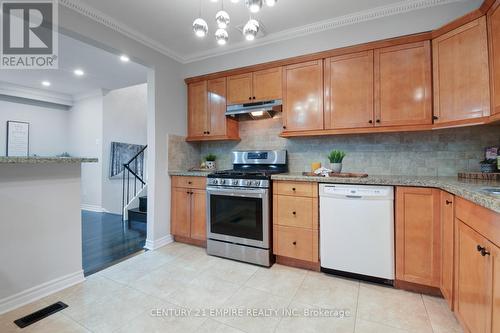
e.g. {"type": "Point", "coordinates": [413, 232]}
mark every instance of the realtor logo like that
{"type": "Point", "coordinates": [29, 38]}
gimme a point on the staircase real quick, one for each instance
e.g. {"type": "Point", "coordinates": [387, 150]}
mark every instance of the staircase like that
{"type": "Point", "coordinates": [139, 214]}
{"type": "Point", "coordinates": [135, 189]}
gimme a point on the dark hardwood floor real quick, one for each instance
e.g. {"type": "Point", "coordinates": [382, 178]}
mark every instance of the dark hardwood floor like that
{"type": "Point", "coordinates": [106, 241]}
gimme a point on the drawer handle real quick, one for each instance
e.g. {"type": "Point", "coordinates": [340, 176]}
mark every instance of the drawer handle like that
{"type": "Point", "coordinates": [448, 202]}
{"type": "Point", "coordinates": [483, 251]}
{"type": "Point", "coordinates": [294, 243]}
{"type": "Point", "coordinates": [294, 213]}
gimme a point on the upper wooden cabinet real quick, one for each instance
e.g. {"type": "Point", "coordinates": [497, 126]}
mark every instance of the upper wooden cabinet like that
{"type": "Point", "coordinates": [461, 76]}
{"type": "Point", "coordinates": [206, 112]}
{"type": "Point", "coordinates": [258, 86]}
{"type": "Point", "coordinates": [493, 20]}
{"type": "Point", "coordinates": [349, 91]}
{"type": "Point", "coordinates": [403, 85]}
{"type": "Point", "coordinates": [418, 236]}
{"type": "Point", "coordinates": [303, 96]}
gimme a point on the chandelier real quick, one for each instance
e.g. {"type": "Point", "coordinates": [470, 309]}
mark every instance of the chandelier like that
{"type": "Point", "coordinates": [222, 20]}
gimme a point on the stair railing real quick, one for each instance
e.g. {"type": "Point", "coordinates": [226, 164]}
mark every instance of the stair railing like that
{"type": "Point", "coordinates": [134, 170]}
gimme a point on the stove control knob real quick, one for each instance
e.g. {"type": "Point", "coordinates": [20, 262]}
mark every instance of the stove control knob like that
{"type": "Point", "coordinates": [256, 183]}
{"type": "Point", "coordinates": [222, 181]}
{"type": "Point", "coordinates": [214, 181]}
{"type": "Point", "coordinates": [235, 181]}
{"type": "Point", "coordinates": [248, 183]}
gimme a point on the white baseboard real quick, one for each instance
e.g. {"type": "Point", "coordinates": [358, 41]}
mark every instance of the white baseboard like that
{"type": "Point", "coordinates": [156, 244]}
{"type": "Point", "coordinates": [33, 294]}
{"type": "Point", "coordinates": [92, 208]}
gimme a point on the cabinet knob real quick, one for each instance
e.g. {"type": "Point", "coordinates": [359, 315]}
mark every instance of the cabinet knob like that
{"type": "Point", "coordinates": [249, 98]}
{"type": "Point", "coordinates": [482, 250]}
{"type": "Point", "coordinates": [294, 243]}
{"type": "Point", "coordinates": [294, 213]}
{"type": "Point", "coordinates": [284, 127]}
{"type": "Point", "coordinates": [208, 132]}
{"type": "Point", "coordinates": [435, 117]}
{"type": "Point", "coordinates": [190, 182]}
{"type": "Point", "coordinates": [370, 121]}
{"type": "Point", "coordinates": [293, 189]}
{"type": "Point", "coordinates": [254, 97]}
{"type": "Point", "coordinates": [448, 202]}
{"type": "Point", "coordinates": [377, 121]}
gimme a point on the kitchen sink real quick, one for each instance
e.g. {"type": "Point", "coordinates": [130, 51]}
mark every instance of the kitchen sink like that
{"type": "Point", "coordinates": [492, 191]}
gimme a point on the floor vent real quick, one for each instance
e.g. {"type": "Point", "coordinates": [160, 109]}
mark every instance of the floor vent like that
{"type": "Point", "coordinates": [40, 314]}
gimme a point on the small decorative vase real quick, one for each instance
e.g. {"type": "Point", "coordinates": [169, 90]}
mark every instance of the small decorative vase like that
{"type": "Point", "coordinates": [336, 167]}
{"type": "Point", "coordinates": [210, 165]}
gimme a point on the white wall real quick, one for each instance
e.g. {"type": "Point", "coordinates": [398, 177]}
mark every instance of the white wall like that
{"type": "Point", "coordinates": [40, 231]}
{"type": "Point", "coordinates": [124, 120]}
{"type": "Point", "coordinates": [48, 125]}
{"type": "Point", "coordinates": [85, 140]}
{"type": "Point", "coordinates": [388, 27]}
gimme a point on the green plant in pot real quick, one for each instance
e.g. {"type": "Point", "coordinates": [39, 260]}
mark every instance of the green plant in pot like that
{"type": "Point", "coordinates": [210, 161]}
{"type": "Point", "coordinates": [336, 157]}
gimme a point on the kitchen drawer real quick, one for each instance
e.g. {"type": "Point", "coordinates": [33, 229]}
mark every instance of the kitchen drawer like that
{"type": "Point", "coordinates": [297, 243]}
{"type": "Point", "coordinates": [189, 182]}
{"type": "Point", "coordinates": [294, 211]}
{"type": "Point", "coordinates": [301, 189]}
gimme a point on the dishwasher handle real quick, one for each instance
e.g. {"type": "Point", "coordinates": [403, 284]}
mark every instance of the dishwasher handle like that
{"type": "Point", "coordinates": [354, 196]}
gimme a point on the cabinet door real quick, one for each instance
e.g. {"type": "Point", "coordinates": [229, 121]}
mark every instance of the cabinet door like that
{"type": "Point", "coordinates": [473, 282]}
{"type": "Point", "coordinates": [180, 212]}
{"type": "Point", "coordinates": [198, 215]}
{"type": "Point", "coordinates": [403, 85]}
{"type": "Point", "coordinates": [418, 236]}
{"type": "Point", "coordinates": [217, 107]}
{"type": "Point", "coordinates": [461, 76]}
{"type": "Point", "coordinates": [349, 91]}
{"type": "Point", "coordinates": [447, 241]}
{"type": "Point", "coordinates": [267, 84]}
{"type": "Point", "coordinates": [197, 109]}
{"type": "Point", "coordinates": [495, 313]}
{"type": "Point", "coordinates": [303, 96]}
{"type": "Point", "coordinates": [493, 19]}
{"type": "Point", "coordinates": [239, 89]}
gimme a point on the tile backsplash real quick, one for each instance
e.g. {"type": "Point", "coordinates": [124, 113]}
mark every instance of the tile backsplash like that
{"type": "Point", "coordinates": [431, 153]}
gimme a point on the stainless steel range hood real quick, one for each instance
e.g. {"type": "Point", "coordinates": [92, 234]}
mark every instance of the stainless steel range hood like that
{"type": "Point", "coordinates": [254, 111]}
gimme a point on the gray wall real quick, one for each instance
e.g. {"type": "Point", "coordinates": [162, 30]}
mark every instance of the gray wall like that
{"type": "Point", "coordinates": [431, 153]}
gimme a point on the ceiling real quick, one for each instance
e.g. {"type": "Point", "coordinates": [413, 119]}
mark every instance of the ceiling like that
{"type": "Point", "coordinates": [103, 70]}
{"type": "Point", "coordinates": [168, 27]}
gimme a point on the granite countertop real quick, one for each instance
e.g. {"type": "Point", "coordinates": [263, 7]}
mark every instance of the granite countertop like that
{"type": "Point", "coordinates": [45, 160]}
{"type": "Point", "coordinates": [470, 189]}
{"type": "Point", "coordinates": [191, 173]}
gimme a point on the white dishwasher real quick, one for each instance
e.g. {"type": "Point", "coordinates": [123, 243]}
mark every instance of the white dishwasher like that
{"type": "Point", "coordinates": [357, 231]}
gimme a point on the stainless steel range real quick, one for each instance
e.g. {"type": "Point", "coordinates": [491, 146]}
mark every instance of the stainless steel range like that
{"type": "Point", "coordinates": [239, 207]}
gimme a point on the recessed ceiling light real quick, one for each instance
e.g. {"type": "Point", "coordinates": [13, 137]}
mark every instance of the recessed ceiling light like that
{"type": "Point", "coordinates": [124, 58]}
{"type": "Point", "coordinates": [46, 83]}
{"type": "Point", "coordinates": [79, 72]}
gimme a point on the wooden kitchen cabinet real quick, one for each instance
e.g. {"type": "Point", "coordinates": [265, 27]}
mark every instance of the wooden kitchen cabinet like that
{"type": "Point", "coordinates": [349, 91]}
{"type": "Point", "coordinates": [295, 224]}
{"type": "Point", "coordinates": [418, 236]}
{"type": "Point", "coordinates": [461, 74]}
{"type": "Point", "coordinates": [188, 210]}
{"type": "Point", "coordinates": [303, 96]}
{"type": "Point", "coordinates": [206, 112]}
{"type": "Point", "coordinates": [493, 22]}
{"type": "Point", "coordinates": [447, 245]}
{"type": "Point", "coordinates": [403, 85]}
{"type": "Point", "coordinates": [264, 85]}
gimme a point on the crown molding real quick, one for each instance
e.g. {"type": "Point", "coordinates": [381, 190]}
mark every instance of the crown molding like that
{"type": "Point", "coordinates": [46, 96]}
{"type": "Point", "coordinates": [108, 21]}
{"type": "Point", "coordinates": [400, 7]}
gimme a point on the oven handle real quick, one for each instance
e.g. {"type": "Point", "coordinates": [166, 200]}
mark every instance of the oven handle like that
{"type": "Point", "coordinates": [236, 190]}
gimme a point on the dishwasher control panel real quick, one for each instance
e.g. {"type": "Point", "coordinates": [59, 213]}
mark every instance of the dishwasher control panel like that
{"type": "Point", "coordinates": [356, 191]}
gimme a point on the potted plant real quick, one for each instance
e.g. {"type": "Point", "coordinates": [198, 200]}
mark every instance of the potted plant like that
{"type": "Point", "coordinates": [336, 157]}
{"type": "Point", "coordinates": [210, 161]}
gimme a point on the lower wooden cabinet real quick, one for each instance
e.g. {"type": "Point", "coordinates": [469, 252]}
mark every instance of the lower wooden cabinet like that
{"type": "Point", "coordinates": [477, 268]}
{"type": "Point", "coordinates": [188, 210]}
{"type": "Point", "coordinates": [295, 222]}
{"type": "Point", "coordinates": [418, 236]}
{"type": "Point", "coordinates": [447, 245]}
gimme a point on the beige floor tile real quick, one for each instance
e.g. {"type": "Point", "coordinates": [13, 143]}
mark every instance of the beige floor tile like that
{"type": "Point", "coordinates": [441, 317]}
{"type": "Point", "coordinates": [249, 299]}
{"type": "Point", "coordinates": [56, 323]}
{"type": "Point", "coordinates": [232, 271]}
{"type": "Point", "coordinates": [204, 292]}
{"type": "Point", "coordinates": [365, 326]}
{"type": "Point", "coordinates": [160, 283]}
{"type": "Point", "coordinates": [309, 319]}
{"type": "Point", "coordinates": [112, 311]}
{"type": "Point", "coordinates": [278, 280]}
{"type": "Point", "coordinates": [395, 308]}
{"type": "Point", "coordinates": [212, 326]}
{"type": "Point", "coordinates": [328, 291]}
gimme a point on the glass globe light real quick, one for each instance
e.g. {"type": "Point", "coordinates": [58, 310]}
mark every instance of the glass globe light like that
{"type": "Point", "coordinates": [221, 36]}
{"type": "Point", "coordinates": [251, 29]}
{"type": "Point", "coordinates": [200, 27]}
{"type": "Point", "coordinates": [271, 3]}
{"type": "Point", "coordinates": [254, 5]}
{"type": "Point", "coordinates": [222, 19]}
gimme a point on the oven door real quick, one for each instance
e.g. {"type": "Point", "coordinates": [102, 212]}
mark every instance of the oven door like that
{"type": "Point", "coordinates": [238, 215]}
